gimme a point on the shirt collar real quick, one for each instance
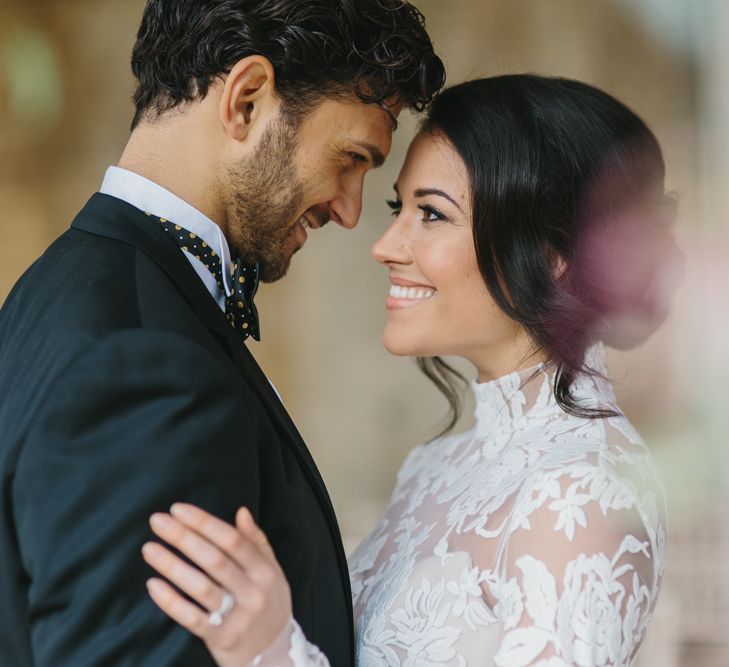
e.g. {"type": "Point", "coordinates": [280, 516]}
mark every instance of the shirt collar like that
{"type": "Point", "coordinates": [511, 403]}
{"type": "Point", "coordinates": [150, 197]}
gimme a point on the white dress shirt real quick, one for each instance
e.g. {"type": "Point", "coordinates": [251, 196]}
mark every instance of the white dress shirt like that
{"type": "Point", "coordinates": [149, 197]}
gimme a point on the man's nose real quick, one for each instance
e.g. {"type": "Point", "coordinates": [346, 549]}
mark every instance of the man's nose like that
{"type": "Point", "coordinates": [346, 207]}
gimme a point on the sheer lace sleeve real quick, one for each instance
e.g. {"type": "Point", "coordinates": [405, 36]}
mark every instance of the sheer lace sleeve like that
{"type": "Point", "coordinates": [291, 649]}
{"type": "Point", "coordinates": [534, 539]}
{"type": "Point", "coordinates": [577, 575]}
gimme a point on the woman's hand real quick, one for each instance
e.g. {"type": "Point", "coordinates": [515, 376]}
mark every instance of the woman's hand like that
{"type": "Point", "coordinates": [237, 560]}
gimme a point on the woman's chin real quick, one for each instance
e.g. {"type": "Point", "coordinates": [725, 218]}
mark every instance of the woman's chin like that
{"type": "Point", "coordinates": [404, 346]}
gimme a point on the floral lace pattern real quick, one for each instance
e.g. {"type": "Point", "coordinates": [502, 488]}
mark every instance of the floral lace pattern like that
{"type": "Point", "coordinates": [535, 539]}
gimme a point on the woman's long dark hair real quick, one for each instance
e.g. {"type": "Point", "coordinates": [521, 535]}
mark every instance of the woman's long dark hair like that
{"type": "Point", "coordinates": [549, 160]}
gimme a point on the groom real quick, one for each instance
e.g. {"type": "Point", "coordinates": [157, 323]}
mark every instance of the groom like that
{"type": "Point", "coordinates": [125, 383]}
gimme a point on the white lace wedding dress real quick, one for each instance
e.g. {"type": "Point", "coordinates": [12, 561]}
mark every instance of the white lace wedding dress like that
{"type": "Point", "coordinates": [535, 539]}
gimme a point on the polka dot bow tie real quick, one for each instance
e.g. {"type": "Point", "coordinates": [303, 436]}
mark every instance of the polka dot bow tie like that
{"type": "Point", "coordinates": [239, 307]}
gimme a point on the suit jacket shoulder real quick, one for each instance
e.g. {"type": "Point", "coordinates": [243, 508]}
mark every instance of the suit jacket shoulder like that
{"type": "Point", "coordinates": [123, 389]}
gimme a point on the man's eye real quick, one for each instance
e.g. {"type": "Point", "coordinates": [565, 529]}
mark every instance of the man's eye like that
{"type": "Point", "coordinates": [395, 206]}
{"type": "Point", "coordinates": [358, 157]}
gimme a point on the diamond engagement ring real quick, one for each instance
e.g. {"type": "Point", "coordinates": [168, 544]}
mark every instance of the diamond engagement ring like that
{"type": "Point", "coordinates": [216, 618]}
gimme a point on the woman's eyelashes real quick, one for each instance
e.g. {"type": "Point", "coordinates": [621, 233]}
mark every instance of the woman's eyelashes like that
{"type": "Point", "coordinates": [394, 205]}
{"type": "Point", "coordinates": [430, 213]}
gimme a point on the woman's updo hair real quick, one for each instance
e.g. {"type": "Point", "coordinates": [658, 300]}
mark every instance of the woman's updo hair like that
{"type": "Point", "coordinates": [570, 219]}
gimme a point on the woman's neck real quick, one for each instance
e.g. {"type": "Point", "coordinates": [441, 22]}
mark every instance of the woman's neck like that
{"type": "Point", "coordinates": [492, 364]}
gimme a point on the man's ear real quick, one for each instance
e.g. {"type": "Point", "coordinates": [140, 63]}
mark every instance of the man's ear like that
{"type": "Point", "coordinates": [248, 94]}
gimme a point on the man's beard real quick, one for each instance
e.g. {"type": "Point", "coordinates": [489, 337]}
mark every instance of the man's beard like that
{"type": "Point", "coordinates": [266, 193]}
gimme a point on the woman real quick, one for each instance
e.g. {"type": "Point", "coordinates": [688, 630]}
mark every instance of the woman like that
{"type": "Point", "coordinates": [530, 219]}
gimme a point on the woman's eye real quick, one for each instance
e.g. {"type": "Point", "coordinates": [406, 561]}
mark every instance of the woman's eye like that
{"type": "Point", "coordinates": [431, 214]}
{"type": "Point", "coordinates": [395, 206]}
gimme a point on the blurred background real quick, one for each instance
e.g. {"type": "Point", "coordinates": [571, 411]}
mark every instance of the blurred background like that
{"type": "Point", "coordinates": [65, 109]}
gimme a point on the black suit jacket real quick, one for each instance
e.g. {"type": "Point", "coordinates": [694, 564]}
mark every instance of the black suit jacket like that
{"type": "Point", "coordinates": [123, 389]}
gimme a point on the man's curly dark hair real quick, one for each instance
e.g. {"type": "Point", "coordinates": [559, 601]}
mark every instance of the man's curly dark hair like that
{"type": "Point", "coordinates": [378, 49]}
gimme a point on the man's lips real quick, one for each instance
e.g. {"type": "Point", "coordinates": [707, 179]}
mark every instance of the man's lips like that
{"type": "Point", "coordinates": [313, 219]}
{"type": "Point", "coordinates": [305, 223]}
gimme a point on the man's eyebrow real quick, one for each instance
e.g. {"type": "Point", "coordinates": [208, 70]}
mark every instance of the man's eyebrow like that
{"type": "Point", "coordinates": [376, 156]}
{"type": "Point", "coordinates": [424, 192]}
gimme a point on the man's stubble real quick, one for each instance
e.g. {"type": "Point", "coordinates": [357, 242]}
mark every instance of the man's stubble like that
{"type": "Point", "coordinates": [266, 195]}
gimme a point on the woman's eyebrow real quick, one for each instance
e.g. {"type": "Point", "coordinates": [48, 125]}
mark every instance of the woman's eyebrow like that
{"type": "Point", "coordinates": [424, 192]}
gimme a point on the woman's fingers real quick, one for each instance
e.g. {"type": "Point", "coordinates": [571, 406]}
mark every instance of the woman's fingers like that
{"type": "Point", "coordinates": [246, 524]}
{"type": "Point", "coordinates": [241, 546]}
{"type": "Point", "coordinates": [187, 578]}
{"type": "Point", "coordinates": [178, 609]}
{"type": "Point", "coordinates": [238, 560]}
{"type": "Point", "coordinates": [216, 530]}
{"type": "Point", "coordinates": [215, 562]}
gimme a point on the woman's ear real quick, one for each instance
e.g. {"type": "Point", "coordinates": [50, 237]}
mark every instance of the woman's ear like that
{"type": "Point", "coordinates": [557, 263]}
{"type": "Point", "coordinates": [248, 96]}
{"type": "Point", "coordinates": [559, 266]}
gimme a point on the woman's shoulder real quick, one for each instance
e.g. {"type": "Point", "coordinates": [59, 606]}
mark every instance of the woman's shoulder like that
{"type": "Point", "coordinates": [609, 487]}
{"type": "Point", "coordinates": [609, 452]}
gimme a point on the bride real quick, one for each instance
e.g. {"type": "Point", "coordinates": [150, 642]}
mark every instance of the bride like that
{"type": "Point", "coordinates": [536, 538]}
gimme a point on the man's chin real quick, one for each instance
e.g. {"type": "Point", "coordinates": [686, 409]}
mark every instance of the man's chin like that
{"type": "Point", "coordinates": [271, 273]}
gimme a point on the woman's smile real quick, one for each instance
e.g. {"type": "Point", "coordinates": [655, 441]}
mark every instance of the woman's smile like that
{"type": "Point", "coordinates": [406, 293]}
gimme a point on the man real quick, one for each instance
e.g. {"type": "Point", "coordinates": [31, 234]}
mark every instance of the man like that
{"type": "Point", "coordinates": [125, 383]}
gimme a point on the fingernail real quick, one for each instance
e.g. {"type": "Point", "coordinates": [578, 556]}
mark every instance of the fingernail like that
{"type": "Point", "coordinates": [154, 586]}
{"type": "Point", "coordinates": [150, 551]}
{"type": "Point", "coordinates": [183, 511]}
{"type": "Point", "coordinates": [160, 521]}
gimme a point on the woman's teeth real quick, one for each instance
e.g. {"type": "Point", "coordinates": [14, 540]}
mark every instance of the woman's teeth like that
{"type": "Point", "coordinates": [398, 292]}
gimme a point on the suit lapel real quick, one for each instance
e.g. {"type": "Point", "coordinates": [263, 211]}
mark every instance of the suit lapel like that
{"type": "Point", "coordinates": [252, 371]}
{"type": "Point", "coordinates": [111, 217]}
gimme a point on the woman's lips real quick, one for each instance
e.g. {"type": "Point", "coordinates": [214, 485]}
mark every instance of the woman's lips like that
{"type": "Point", "coordinates": [411, 293]}
{"type": "Point", "coordinates": [407, 296]}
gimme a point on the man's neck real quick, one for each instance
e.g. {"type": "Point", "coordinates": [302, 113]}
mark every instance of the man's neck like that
{"type": "Point", "coordinates": [169, 156]}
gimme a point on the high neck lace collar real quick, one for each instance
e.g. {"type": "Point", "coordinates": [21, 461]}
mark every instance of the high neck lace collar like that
{"type": "Point", "coordinates": [508, 401]}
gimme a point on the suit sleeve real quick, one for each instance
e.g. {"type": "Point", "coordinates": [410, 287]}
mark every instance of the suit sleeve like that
{"type": "Point", "coordinates": [139, 421]}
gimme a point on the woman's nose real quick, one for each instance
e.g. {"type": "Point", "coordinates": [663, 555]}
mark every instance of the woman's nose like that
{"type": "Point", "coordinates": [392, 246]}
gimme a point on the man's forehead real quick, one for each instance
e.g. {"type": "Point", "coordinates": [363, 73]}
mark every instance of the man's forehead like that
{"type": "Point", "coordinates": [353, 122]}
{"type": "Point", "coordinates": [392, 107]}
{"type": "Point", "coordinates": [392, 113]}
